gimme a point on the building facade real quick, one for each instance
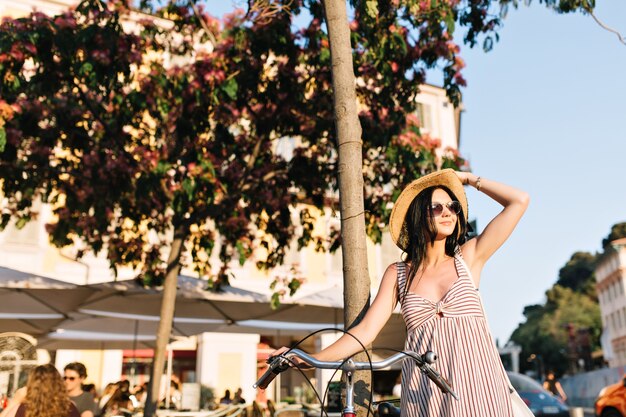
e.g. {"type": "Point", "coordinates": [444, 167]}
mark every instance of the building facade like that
{"type": "Point", "coordinates": [610, 281]}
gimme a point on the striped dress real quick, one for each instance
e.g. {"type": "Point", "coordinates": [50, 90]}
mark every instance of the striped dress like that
{"type": "Point", "coordinates": [456, 329]}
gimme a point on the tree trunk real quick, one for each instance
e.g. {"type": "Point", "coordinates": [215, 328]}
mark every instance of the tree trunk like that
{"type": "Point", "coordinates": [354, 250]}
{"type": "Point", "coordinates": [168, 304]}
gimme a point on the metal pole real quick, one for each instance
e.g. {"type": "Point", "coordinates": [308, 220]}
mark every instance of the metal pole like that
{"type": "Point", "coordinates": [170, 354]}
{"type": "Point", "coordinates": [133, 362]}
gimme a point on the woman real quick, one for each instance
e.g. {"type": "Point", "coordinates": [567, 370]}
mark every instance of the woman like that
{"type": "Point", "coordinates": [108, 392]}
{"type": "Point", "coordinates": [436, 285]}
{"type": "Point", "coordinates": [46, 395]}
{"type": "Point", "coordinates": [554, 386]}
{"type": "Point", "coordinates": [119, 403]}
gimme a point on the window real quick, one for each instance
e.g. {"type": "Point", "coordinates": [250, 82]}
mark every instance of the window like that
{"type": "Point", "coordinates": [424, 114]}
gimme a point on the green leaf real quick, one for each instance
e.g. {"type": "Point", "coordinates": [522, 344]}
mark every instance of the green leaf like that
{"type": "Point", "coordinates": [399, 42]}
{"type": "Point", "coordinates": [3, 139]}
{"type": "Point", "coordinates": [16, 83]}
{"type": "Point", "coordinates": [325, 55]}
{"type": "Point", "coordinates": [21, 222]}
{"type": "Point", "coordinates": [242, 253]}
{"type": "Point", "coordinates": [294, 284]}
{"type": "Point", "coordinates": [208, 166]}
{"type": "Point", "coordinates": [189, 186]}
{"type": "Point", "coordinates": [162, 167]}
{"type": "Point", "coordinates": [86, 68]}
{"type": "Point", "coordinates": [450, 23]}
{"type": "Point", "coordinates": [230, 88]}
{"type": "Point", "coordinates": [275, 303]}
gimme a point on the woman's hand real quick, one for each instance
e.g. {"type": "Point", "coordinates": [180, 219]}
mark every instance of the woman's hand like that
{"type": "Point", "coordinates": [464, 177]}
{"type": "Point", "coordinates": [279, 351]}
{"type": "Point", "coordinates": [14, 404]}
{"type": "Point", "coordinates": [293, 362]}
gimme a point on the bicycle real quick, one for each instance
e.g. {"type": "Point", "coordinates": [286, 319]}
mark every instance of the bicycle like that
{"type": "Point", "coordinates": [282, 362]}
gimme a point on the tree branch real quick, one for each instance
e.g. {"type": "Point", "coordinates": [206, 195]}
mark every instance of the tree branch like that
{"type": "Point", "coordinates": [265, 10]}
{"type": "Point", "coordinates": [97, 116]}
{"type": "Point", "coordinates": [212, 37]}
{"type": "Point", "coordinates": [605, 27]}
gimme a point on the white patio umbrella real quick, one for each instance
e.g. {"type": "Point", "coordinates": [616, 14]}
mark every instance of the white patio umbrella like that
{"type": "Point", "coordinates": [233, 309]}
{"type": "Point", "coordinates": [119, 307]}
{"type": "Point", "coordinates": [34, 304]}
{"type": "Point", "coordinates": [125, 314]}
{"type": "Point", "coordinates": [95, 341]}
{"type": "Point", "coordinates": [83, 331]}
{"type": "Point", "coordinates": [194, 305]}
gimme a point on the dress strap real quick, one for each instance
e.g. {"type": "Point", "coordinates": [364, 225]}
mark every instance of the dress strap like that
{"type": "Point", "coordinates": [460, 261]}
{"type": "Point", "coordinates": [401, 276]}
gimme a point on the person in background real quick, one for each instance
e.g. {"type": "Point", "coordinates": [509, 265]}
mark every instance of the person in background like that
{"type": "Point", "coordinates": [554, 386]}
{"type": "Point", "coordinates": [226, 398]}
{"type": "Point", "coordinates": [74, 375]}
{"type": "Point", "coordinates": [238, 399]}
{"type": "Point", "coordinates": [106, 396]}
{"type": "Point", "coordinates": [139, 394]}
{"type": "Point", "coordinates": [176, 395]}
{"type": "Point", "coordinates": [46, 395]}
{"type": "Point", "coordinates": [119, 403]}
{"type": "Point", "coordinates": [91, 388]}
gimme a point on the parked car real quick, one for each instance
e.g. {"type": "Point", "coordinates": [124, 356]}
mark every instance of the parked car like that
{"type": "Point", "coordinates": [540, 401]}
{"type": "Point", "coordinates": [611, 401]}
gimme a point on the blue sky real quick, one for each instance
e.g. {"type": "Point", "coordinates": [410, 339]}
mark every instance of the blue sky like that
{"type": "Point", "coordinates": [544, 111]}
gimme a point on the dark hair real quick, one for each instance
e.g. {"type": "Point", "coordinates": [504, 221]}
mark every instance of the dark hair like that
{"type": "Point", "coordinates": [422, 231]}
{"type": "Point", "coordinates": [77, 367]}
{"type": "Point", "coordinates": [124, 385]}
{"type": "Point", "coordinates": [89, 387]}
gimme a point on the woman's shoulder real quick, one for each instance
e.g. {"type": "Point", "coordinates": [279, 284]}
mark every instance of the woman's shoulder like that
{"type": "Point", "coordinates": [394, 267]}
{"type": "Point", "coordinates": [469, 248]}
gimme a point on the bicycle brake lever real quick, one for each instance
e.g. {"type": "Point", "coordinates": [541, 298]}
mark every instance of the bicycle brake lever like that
{"type": "Point", "coordinates": [277, 365]}
{"type": "Point", "coordinates": [423, 362]}
{"type": "Point", "coordinates": [439, 380]}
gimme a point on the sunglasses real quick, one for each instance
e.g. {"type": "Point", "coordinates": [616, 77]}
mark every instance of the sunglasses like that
{"type": "Point", "coordinates": [453, 206]}
{"type": "Point", "coordinates": [69, 378]}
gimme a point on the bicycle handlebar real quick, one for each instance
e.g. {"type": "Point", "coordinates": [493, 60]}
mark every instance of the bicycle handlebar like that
{"type": "Point", "coordinates": [278, 364]}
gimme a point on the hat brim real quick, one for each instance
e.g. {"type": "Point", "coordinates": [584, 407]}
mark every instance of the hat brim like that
{"type": "Point", "coordinates": [444, 178]}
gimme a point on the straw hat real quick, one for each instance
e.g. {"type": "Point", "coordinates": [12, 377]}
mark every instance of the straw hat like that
{"type": "Point", "coordinates": [446, 177]}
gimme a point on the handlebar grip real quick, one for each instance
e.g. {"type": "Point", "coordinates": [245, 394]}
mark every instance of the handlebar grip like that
{"type": "Point", "coordinates": [265, 379]}
{"type": "Point", "coordinates": [277, 366]}
{"type": "Point", "coordinates": [439, 380]}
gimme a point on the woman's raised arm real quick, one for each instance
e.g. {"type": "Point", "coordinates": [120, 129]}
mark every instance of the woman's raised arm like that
{"type": "Point", "coordinates": [514, 203]}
